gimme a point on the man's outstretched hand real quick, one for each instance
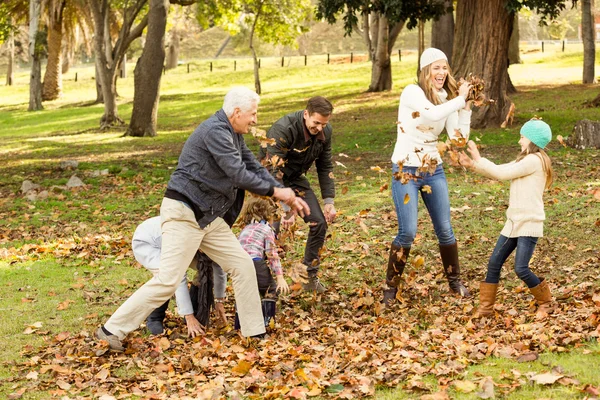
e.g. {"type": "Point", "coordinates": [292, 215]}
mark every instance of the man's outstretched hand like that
{"type": "Point", "coordinates": [288, 196]}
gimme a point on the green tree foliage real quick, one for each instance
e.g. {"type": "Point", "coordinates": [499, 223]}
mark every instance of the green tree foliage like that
{"type": "Point", "coordinates": [380, 23]}
{"type": "Point", "coordinates": [272, 21]}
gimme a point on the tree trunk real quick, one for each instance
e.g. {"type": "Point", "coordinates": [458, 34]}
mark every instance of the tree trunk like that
{"type": "Point", "coordinates": [420, 43]}
{"type": "Point", "coordinates": [594, 103]}
{"type": "Point", "coordinates": [383, 38]}
{"type": "Point", "coordinates": [109, 58]}
{"type": "Point", "coordinates": [442, 31]}
{"type": "Point", "coordinates": [481, 47]}
{"type": "Point", "coordinates": [52, 89]}
{"type": "Point", "coordinates": [514, 55]}
{"type": "Point", "coordinates": [67, 60]}
{"type": "Point", "coordinates": [148, 72]}
{"type": "Point", "coordinates": [11, 57]}
{"type": "Point", "coordinates": [123, 67]}
{"type": "Point", "coordinates": [105, 64]}
{"type": "Point", "coordinates": [589, 45]}
{"type": "Point", "coordinates": [173, 52]}
{"type": "Point", "coordinates": [586, 134]}
{"type": "Point", "coordinates": [257, 87]}
{"type": "Point", "coordinates": [35, 55]}
{"type": "Point", "coordinates": [99, 93]}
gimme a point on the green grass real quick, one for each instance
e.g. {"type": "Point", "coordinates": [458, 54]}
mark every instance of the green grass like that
{"type": "Point", "coordinates": [78, 239]}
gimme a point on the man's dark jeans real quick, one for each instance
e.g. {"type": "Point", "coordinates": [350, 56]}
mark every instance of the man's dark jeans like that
{"type": "Point", "coordinates": [317, 230]}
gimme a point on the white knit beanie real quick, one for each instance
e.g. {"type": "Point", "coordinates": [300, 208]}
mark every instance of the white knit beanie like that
{"type": "Point", "coordinates": [431, 55]}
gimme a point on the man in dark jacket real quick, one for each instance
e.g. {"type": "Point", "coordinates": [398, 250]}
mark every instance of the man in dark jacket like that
{"type": "Point", "coordinates": [299, 140]}
{"type": "Point", "coordinates": [213, 165]}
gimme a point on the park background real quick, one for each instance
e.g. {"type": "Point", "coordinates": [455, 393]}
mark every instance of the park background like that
{"type": "Point", "coordinates": [66, 262]}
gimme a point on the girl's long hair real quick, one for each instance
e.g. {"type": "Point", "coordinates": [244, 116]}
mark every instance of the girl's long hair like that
{"type": "Point", "coordinates": [257, 209]}
{"type": "Point", "coordinates": [546, 162]}
{"type": "Point", "coordinates": [450, 85]}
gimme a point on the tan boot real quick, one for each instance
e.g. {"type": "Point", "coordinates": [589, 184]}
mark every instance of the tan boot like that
{"type": "Point", "coordinates": [543, 297]}
{"type": "Point", "coordinates": [487, 299]}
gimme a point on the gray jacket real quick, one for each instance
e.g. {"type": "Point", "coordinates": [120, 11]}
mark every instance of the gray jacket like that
{"type": "Point", "coordinates": [213, 164]}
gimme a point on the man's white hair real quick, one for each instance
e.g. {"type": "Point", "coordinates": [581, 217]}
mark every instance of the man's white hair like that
{"type": "Point", "coordinates": [239, 97]}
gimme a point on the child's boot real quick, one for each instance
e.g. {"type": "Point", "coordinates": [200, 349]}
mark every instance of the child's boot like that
{"type": "Point", "coordinates": [269, 309]}
{"type": "Point", "coordinates": [449, 255]}
{"type": "Point", "coordinates": [154, 322]}
{"type": "Point", "coordinates": [543, 297]}
{"type": "Point", "coordinates": [395, 268]}
{"type": "Point", "coordinates": [487, 299]}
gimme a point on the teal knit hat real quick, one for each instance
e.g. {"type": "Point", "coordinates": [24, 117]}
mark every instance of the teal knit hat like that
{"type": "Point", "coordinates": [538, 132]}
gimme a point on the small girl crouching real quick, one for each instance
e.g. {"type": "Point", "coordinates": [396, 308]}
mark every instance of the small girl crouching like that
{"type": "Point", "coordinates": [258, 240]}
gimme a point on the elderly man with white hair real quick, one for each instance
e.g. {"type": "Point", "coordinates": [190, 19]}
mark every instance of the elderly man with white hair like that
{"type": "Point", "coordinates": [214, 163]}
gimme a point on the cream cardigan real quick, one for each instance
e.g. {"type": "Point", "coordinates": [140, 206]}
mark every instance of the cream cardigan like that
{"type": "Point", "coordinates": [525, 214]}
{"type": "Point", "coordinates": [420, 122]}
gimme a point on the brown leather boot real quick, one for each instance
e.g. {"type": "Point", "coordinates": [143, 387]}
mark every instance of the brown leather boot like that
{"type": "Point", "coordinates": [487, 299]}
{"type": "Point", "coordinates": [449, 255]}
{"type": "Point", "coordinates": [395, 268]}
{"type": "Point", "coordinates": [543, 297]}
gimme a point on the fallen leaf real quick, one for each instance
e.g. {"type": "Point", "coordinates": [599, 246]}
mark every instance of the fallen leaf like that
{"type": "Point", "coordinates": [527, 357]}
{"type": "Point", "coordinates": [546, 378]}
{"type": "Point", "coordinates": [242, 368]}
{"type": "Point", "coordinates": [464, 386]}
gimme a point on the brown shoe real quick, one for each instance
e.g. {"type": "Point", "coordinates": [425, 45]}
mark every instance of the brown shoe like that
{"type": "Point", "coordinates": [314, 285]}
{"type": "Point", "coordinates": [487, 299]}
{"type": "Point", "coordinates": [544, 299]}
{"type": "Point", "coordinates": [113, 341]}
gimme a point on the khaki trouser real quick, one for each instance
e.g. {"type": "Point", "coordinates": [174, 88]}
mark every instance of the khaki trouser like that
{"type": "Point", "coordinates": [181, 238]}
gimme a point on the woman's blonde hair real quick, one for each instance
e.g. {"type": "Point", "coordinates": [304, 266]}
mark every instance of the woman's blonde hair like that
{"type": "Point", "coordinates": [450, 85]}
{"type": "Point", "coordinates": [546, 162]}
{"type": "Point", "coordinates": [257, 209]}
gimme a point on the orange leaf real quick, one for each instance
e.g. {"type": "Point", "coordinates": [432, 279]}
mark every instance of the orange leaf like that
{"type": "Point", "coordinates": [242, 368]}
{"type": "Point", "coordinates": [406, 198]}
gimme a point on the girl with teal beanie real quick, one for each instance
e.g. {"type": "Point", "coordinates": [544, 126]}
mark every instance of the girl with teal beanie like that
{"type": "Point", "coordinates": [530, 175]}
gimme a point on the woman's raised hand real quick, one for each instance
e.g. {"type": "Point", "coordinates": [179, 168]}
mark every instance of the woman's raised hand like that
{"type": "Point", "coordinates": [464, 89]}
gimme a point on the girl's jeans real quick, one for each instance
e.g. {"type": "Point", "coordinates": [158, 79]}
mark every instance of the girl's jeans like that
{"type": "Point", "coordinates": [525, 246]}
{"type": "Point", "coordinates": [437, 203]}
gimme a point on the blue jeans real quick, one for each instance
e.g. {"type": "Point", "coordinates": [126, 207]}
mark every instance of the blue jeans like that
{"type": "Point", "coordinates": [525, 246]}
{"type": "Point", "coordinates": [437, 203]}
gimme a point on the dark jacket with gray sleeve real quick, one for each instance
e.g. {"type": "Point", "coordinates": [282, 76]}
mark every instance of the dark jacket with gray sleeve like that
{"type": "Point", "coordinates": [299, 155]}
{"type": "Point", "coordinates": [214, 163]}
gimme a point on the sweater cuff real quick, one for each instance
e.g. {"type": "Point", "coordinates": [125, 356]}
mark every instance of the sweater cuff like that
{"type": "Point", "coordinates": [328, 200]}
{"type": "Point", "coordinates": [271, 191]}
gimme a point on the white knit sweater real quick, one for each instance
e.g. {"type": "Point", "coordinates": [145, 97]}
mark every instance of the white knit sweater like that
{"type": "Point", "coordinates": [420, 123]}
{"type": "Point", "coordinates": [525, 215]}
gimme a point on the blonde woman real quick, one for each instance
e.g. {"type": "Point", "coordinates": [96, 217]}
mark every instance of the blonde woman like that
{"type": "Point", "coordinates": [427, 108]}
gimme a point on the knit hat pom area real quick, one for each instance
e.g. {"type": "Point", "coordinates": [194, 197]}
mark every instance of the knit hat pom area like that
{"type": "Point", "coordinates": [430, 56]}
{"type": "Point", "coordinates": [538, 132]}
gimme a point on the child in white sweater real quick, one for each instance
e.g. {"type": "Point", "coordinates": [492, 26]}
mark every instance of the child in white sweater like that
{"type": "Point", "coordinates": [530, 174]}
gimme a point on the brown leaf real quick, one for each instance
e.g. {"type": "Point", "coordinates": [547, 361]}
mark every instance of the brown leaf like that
{"type": "Point", "coordinates": [464, 386]}
{"type": "Point", "coordinates": [416, 114]}
{"type": "Point", "coordinates": [164, 343]}
{"type": "Point", "coordinates": [424, 128]}
{"type": "Point", "coordinates": [547, 378]}
{"type": "Point", "coordinates": [406, 198]}
{"type": "Point", "coordinates": [64, 305]}
{"type": "Point", "coordinates": [487, 388]}
{"type": "Point", "coordinates": [242, 368]}
{"type": "Point", "coordinates": [527, 357]}
{"type": "Point", "coordinates": [594, 391]}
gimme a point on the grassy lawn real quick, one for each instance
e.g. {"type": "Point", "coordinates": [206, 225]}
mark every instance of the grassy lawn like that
{"type": "Point", "coordinates": [66, 263]}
